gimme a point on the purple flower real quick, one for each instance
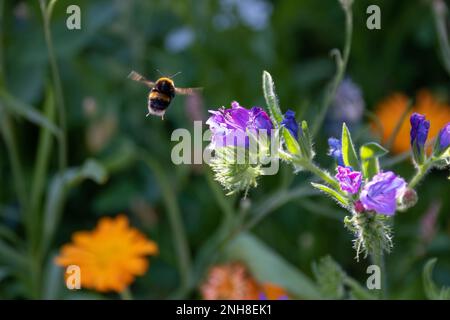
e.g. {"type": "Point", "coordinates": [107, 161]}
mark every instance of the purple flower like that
{"type": "Point", "coordinates": [230, 127]}
{"type": "Point", "coordinates": [349, 180]}
{"type": "Point", "coordinates": [381, 193]}
{"type": "Point", "coordinates": [419, 134]}
{"type": "Point", "coordinates": [336, 150]}
{"type": "Point", "coordinates": [290, 123]}
{"type": "Point", "coordinates": [444, 138]}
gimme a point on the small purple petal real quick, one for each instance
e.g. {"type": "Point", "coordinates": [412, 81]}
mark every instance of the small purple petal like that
{"type": "Point", "coordinates": [349, 180]}
{"type": "Point", "coordinates": [336, 150]}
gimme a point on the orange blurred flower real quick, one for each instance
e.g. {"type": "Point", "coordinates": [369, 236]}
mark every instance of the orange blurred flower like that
{"type": "Point", "coordinates": [271, 291]}
{"type": "Point", "coordinates": [390, 111]}
{"type": "Point", "coordinates": [110, 256]}
{"type": "Point", "coordinates": [232, 281]}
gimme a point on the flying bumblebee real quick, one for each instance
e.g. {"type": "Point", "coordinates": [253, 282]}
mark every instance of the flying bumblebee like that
{"type": "Point", "coordinates": [162, 92]}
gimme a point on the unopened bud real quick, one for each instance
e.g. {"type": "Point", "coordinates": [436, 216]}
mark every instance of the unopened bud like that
{"type": "Point", "coordinates": [359, 208]}
{"type": "Point", "coordinates": [408, 199]}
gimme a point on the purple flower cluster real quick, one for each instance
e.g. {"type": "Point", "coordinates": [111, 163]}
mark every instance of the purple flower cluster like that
{"type": "Point", "coordinates": [349, 180]}
{"type": "Point", "coordinates": [230, 127]}
{"type": "Point", "coordinates": [381, 193]}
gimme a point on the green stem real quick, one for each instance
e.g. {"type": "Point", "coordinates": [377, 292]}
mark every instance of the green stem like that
{"type": "Point", "coordinates": [341, 65]}
{"type": "Point", "coordinates": [46, 15]}
{"type": "Point", "coordinates": [41, 164]}
{"type": "Point", "coordinates": [440, 15]}
{"type": "Point", "coordinates": [322, 174]}
{"type": "Point", "coordinates": [421, 173]}
{"type": "Point", "coordinates": [378, 259]}
{"type": "Point", "coordinates": [178, 232]}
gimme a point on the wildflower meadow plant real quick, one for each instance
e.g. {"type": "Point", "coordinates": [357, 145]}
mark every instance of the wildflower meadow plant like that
{"type": "Point", "coordinates": [370, 195]}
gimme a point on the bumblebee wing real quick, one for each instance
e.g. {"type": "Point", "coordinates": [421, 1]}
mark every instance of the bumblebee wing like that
{"type": "Point", "coordinates": [140, 78]}
{"type": "Point", "coordinates": [188, 91]}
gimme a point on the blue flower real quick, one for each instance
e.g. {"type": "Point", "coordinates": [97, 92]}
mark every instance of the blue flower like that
{"type": "Point", "coordinates": [336, 150]}
{"type": "Point", "coordinates": [290, 123]}
{"type": "Point", "coordinates": [444, 138]}
{"type": "Point", "coordinates": [419, 134]}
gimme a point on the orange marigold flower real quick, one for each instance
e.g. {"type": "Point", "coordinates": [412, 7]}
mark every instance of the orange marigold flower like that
{"type": "Point", "coordinates": [271, 291]}
{"type": "Point", "coordinates": [229, 281]}
{"type": "Point", "coordinates": [110, 256]}
{"type": "Point", "coordinates": [390, 112]}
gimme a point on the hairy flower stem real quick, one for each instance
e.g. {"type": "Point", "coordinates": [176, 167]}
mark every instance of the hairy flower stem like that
{"type": "Point", "coordinates": [313, 168]}
{"type": "Point", "coordinates": [422, 170]}
{"type": "Point", "coordinates": [341, 65]}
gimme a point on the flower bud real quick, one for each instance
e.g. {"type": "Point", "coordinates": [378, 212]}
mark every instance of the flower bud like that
{"type": "Point", "coordinates": [419, 135]}
{"type": "Point", "coordinates": [408, 199]}
{"type": "Point", "coordinates": [443, 141]}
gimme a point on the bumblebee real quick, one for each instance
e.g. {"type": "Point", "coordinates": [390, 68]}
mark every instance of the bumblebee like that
{"type": "Point", "coordinates": [162, 92]}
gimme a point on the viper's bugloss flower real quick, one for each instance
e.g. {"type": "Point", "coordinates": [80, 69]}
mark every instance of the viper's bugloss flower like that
{"type": "Point", "coordinates": [290, 123]}
{"type": "Point", "coordinates": [240, 143]}
{"type": "Point", "coordinates": [230, 127]}
{"type": "Point", "coordinates": [444, 138]}
{"type": "Point", "coordinates": [349, 180]}
{"type": "Point", "coordinates": [418, 135]}
{"type": "Point", "coordinates": [381, 193]}
{"type": "Point", "coordinates": [110, 256]}
{"type": "Point", "coordinates": [335, 150]}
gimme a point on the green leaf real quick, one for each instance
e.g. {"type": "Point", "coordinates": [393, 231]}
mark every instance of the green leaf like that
{"type": "Point", "coordinates": [332, 193]}
{"type": "Point", "coordinates": [267, 266]}
{"type": "Point", "coordinates": [369, 153]}
{"type": "Point", "coordinates": [271, 99]}
{"type": "Point", "coordinates": [348, 149]}
{"type": "Point", "coordinates": [372, 150]}
{"type": "Point", "coordinates": [431, 290]}
{"type": "Point", "coordinates": [21, 109]}
{"type": "Point", "coordinates": [53, 283]}
{"type": "Point", "coordinates": [306, 140]}
{"type": "Point", "coordinates": [291, 143]}
{"type": "Point", "coordinates": [58, 190]}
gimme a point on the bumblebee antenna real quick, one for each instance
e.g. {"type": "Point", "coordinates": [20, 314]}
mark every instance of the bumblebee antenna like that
{"type": "Point", "coordinates": [175, 74]}
{"type": "Point", "coordinates": [160, 72]}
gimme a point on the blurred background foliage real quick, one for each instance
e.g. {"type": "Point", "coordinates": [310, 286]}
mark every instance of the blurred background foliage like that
{"type": "Point", "coordinates": [222, 46]}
